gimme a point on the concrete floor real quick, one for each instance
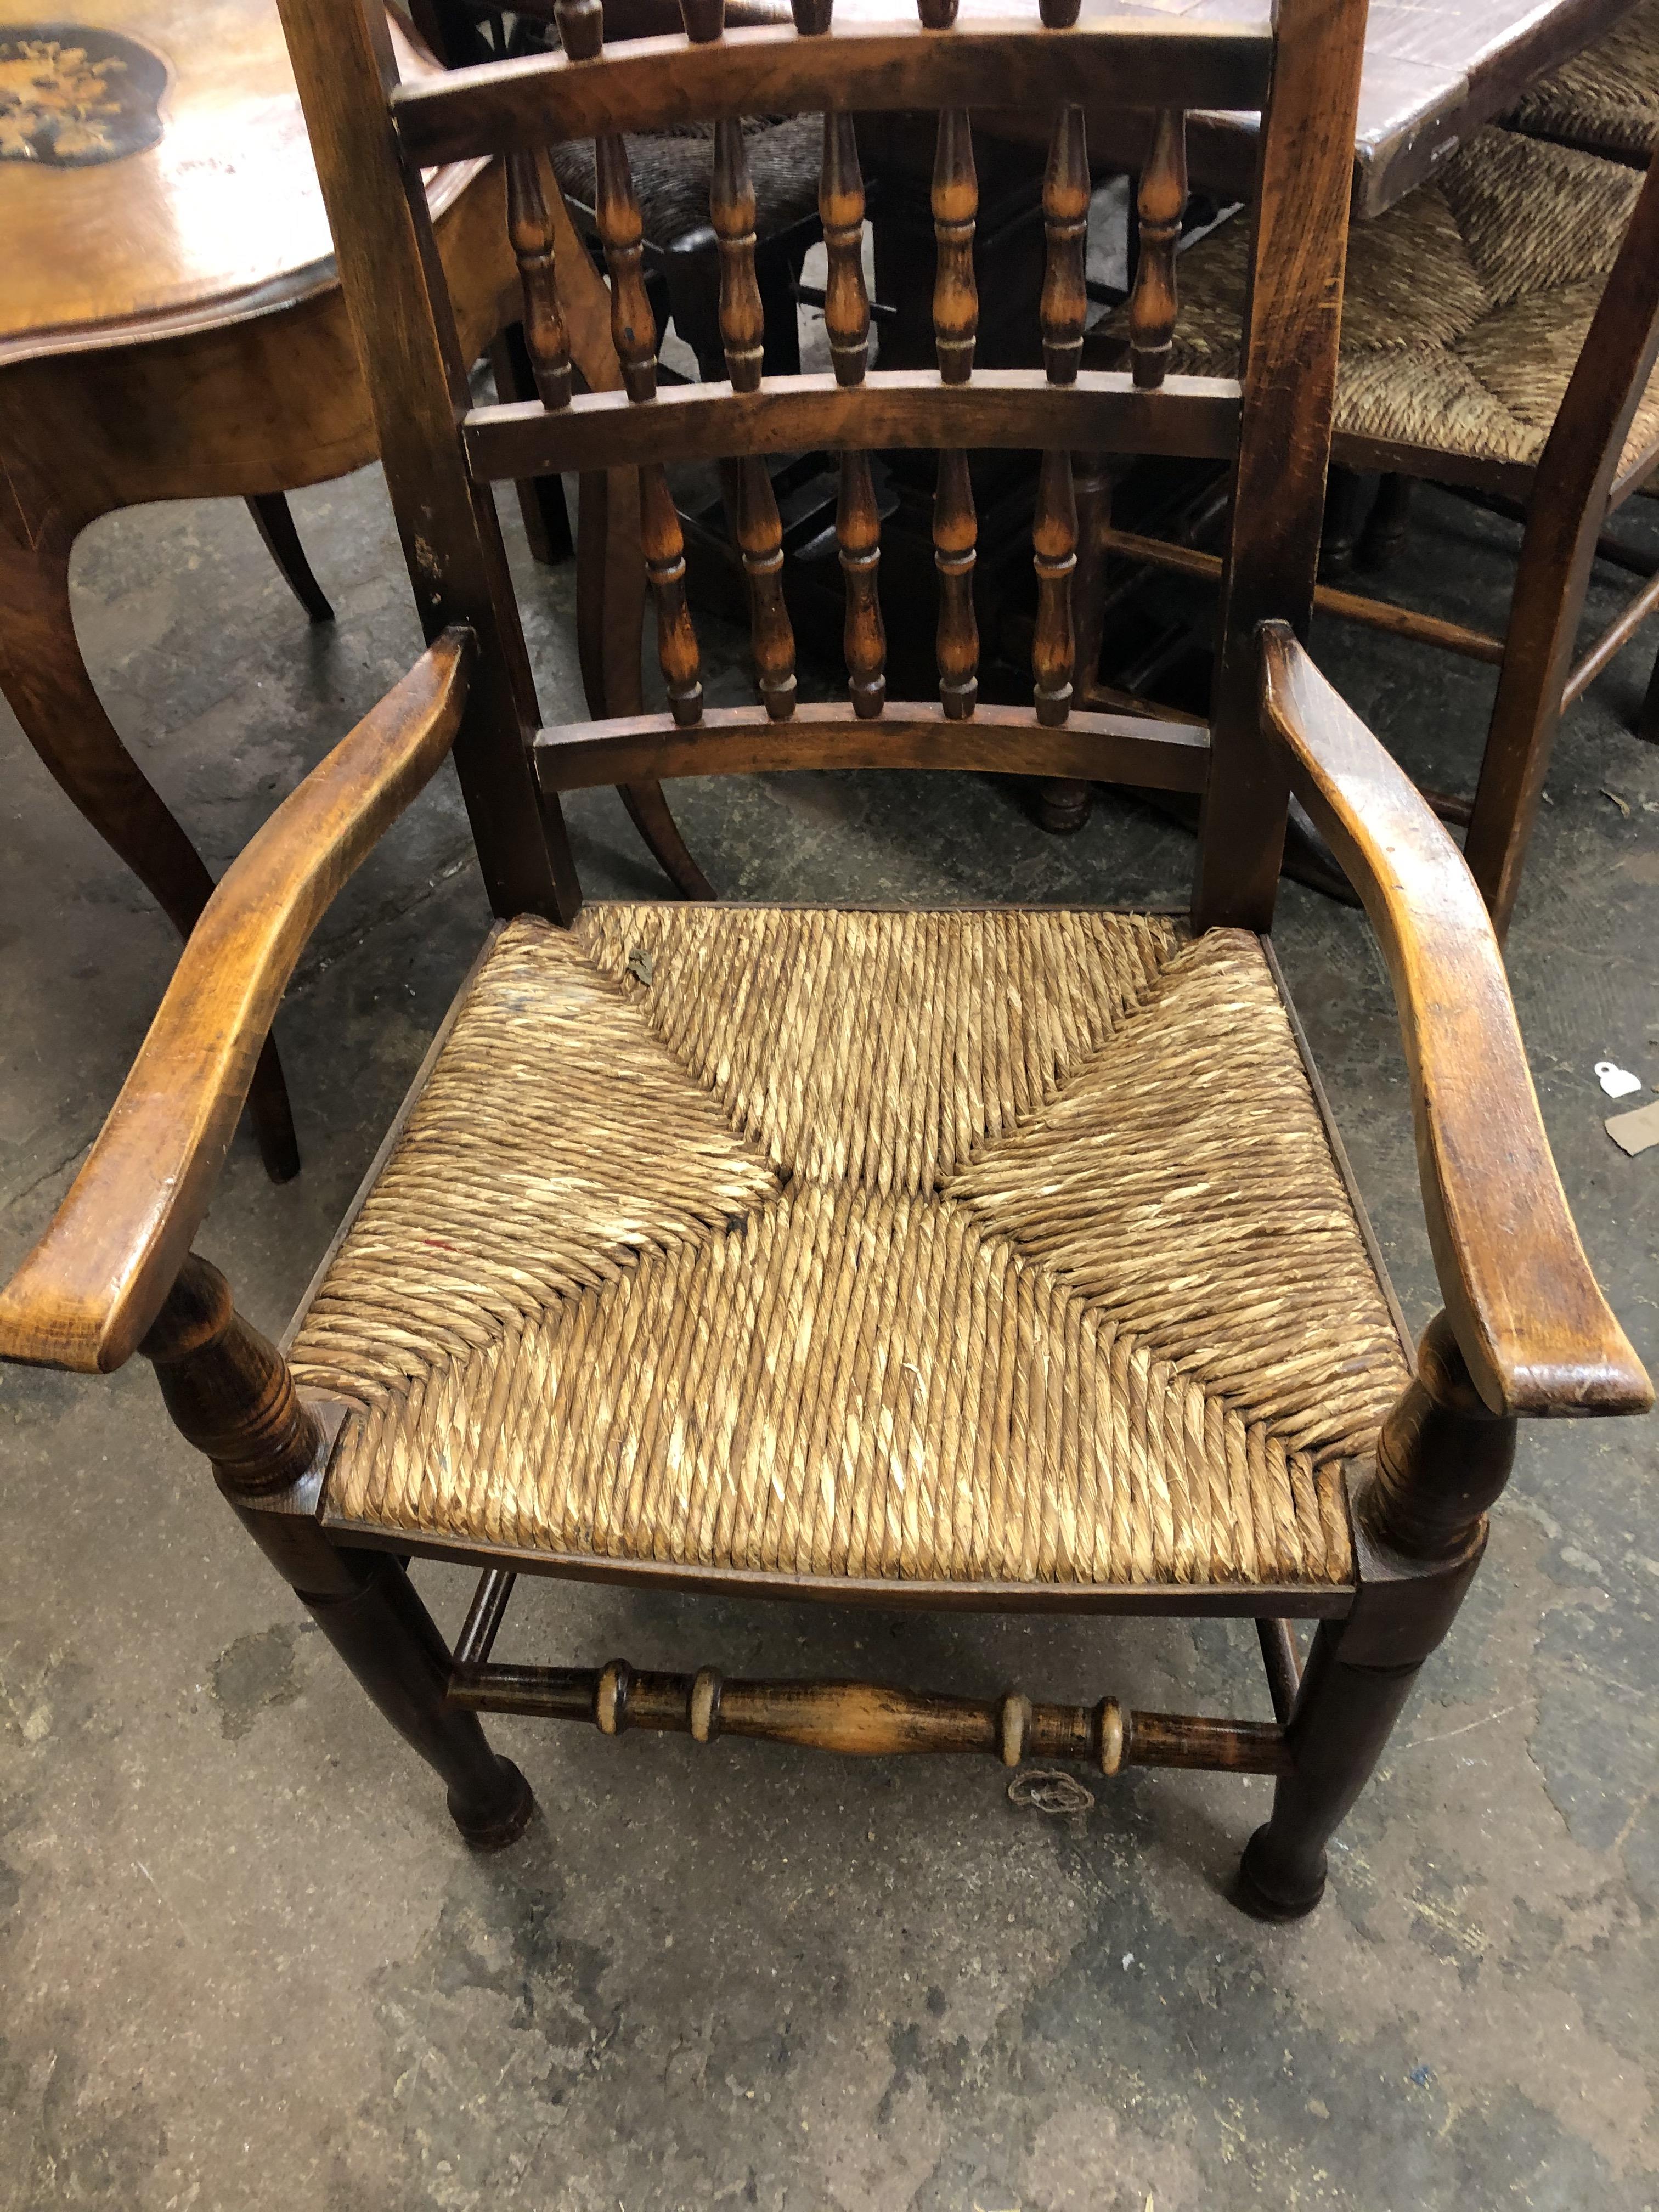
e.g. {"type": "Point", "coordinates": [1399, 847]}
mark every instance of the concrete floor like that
{"type": "Point", "coordinates": [246, 1962]}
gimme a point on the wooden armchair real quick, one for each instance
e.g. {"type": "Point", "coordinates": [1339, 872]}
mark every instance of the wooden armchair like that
{"type": "Point", "coordinates": [980, 1259]}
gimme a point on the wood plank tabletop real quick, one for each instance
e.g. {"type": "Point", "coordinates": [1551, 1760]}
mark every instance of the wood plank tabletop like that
{"type": "Point", "coordinates": [1435, 72]}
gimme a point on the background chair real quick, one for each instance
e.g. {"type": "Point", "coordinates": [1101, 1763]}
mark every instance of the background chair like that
{"type": "Point", "coordinates": [1499, 333]}
{"type": "Point", "coordinates": [1606, 100]}
{"type": "Point", "coordinates": [977, 1259]}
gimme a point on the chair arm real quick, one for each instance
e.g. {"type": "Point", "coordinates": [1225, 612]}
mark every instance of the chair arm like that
{"type": "Point", "coordinates": [1535, 1332]}
{"type": "Point", "coordinates": [90, 1289]}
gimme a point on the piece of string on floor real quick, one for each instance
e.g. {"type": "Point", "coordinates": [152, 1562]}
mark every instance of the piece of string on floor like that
{"type": "Point", "coordinates": [1048, 1790]}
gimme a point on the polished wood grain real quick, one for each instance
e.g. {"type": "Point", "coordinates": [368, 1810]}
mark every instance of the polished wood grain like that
{"type": "Point", "coordinates": [858, 537]}
{"type": "Point", "coordinates": [96, 1281]}
{"type": "Point", "coordinates": [1528, 1317]}
{"type": "Point", "coordinates": [956, 539]}
{"type": "Point", "coordinates": [658, 84]}
{"type": "Point", "coordinates": [956, 206]}
{"type": "Point", "coordinates": [530, 228]}
{"type": "Point", "coordinates": [745, 740]}
{"type": "Point", "coordinates": [1016, 409]}
{"type": "Point", "coordinates": [1065, 307]}
{"type": "Point", "coordinates": [869, 1720]}
{"type": "Point", "coordinates": [1160, 203]}
{"type": "Point", "coordinates": [841, 212]}
{"type": "Point", "coordinates": [1054, 555]}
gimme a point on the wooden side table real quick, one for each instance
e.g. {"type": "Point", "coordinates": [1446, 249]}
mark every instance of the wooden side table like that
{"type": "Point", "coordinates": [171, 328]}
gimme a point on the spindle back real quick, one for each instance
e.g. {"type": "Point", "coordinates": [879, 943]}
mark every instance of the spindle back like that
{"type": "Point", "coordinates": [372, 136]}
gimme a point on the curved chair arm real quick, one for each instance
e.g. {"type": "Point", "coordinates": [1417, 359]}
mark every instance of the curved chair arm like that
{"type": "Point", "coordinates": [1535, 1332]}
{"type": "Point", "coordinates": [91, 1287]}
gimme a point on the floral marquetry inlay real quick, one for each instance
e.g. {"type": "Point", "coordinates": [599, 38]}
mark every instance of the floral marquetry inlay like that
{"type": "Point", "coordinates": [71, 96]}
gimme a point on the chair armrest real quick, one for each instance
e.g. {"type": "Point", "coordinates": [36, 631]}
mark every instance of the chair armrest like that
{"type": "Point", "coordinates": [1535, 1332]}
{"type": "Point", "coordinates": [91, 1287]}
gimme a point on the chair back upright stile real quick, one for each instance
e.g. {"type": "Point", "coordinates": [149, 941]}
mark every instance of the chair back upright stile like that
{"type": "Point", "coordinates": [372, 136]}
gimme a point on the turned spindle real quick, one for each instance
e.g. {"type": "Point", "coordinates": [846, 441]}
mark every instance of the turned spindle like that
{"type": "Point", "coordinates": [531, 230]}
{"type": "Point", "coordinates": [1066, 220]}
{"type": "Point", "coordinates": [664, 548]}
{"type": "Point", "coordinates": [937, 15]}
{"type": "Point", "coordinates": [731, 210]}
{"type": "Point", "coordinates": [616, 210]}
{"type": "Point", "coordinates": [956, 534]}
{"type": "Point", "coordinates": [634, 333]}
{"type": "Point", "coordinates": [841, 210]}
{"type": "Point", "coordinates": [863, 638]}
{"type": "Point", "coordinates": [956, 205]}
{"type": "Point", "coordinates": [704, 21]}
{"type": "Point", "coordinates": [1059, 14]}
{"type": "Point", "coordinates": [811, 17]}
{"type": "Point", "coordinates": [1054, 555]}
{"type": "Point", "coordinates": [760, 542]}
{"type": "Point", "coordinates": [1159, 206]}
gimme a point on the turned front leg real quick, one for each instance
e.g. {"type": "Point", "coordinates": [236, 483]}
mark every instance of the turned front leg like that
{"type": "Point", "coordinates": [231, 1394]}
{"type": "Point", "coordinates": [1442, 1460]}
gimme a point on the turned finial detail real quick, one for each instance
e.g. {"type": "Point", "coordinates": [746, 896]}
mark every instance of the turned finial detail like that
{"type": "Point", "coordinates": [228, 1391]}
{"type": "Point", "coordinates": [1442, 1460]}
{"type": "Point", "coordinates": [1160, 206]}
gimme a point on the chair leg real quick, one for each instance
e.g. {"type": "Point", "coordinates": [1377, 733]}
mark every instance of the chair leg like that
{"type": "Point", "coordinates": [541, 499]}
{"type": "Point", "coordinates": [1343, 1718]}
{"type": "Point", "coordinates": [1647, 719]}
{"type": "Point", "coordinates": [273, 519]}
{"type": "Point", "coordinates": [230, 1395]}
{"type": "Point", "coordinates": [1386, 526]}
{"type": "Point", "coordinates": [1344, 496]}
{"type": "Point", "coordinates": [1420, 1526]}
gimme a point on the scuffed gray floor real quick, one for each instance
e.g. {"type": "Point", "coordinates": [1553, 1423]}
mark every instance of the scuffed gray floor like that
{"type": "Point", "coordinates": [246, 1962]}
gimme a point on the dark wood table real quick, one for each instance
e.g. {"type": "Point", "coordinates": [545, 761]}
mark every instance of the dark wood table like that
{"type": "Point", "coordinates": [171, 327]}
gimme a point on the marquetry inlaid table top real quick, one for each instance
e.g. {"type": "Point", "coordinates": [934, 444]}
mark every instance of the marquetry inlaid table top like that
{"type": "Point", "coordinates": [154, 169]}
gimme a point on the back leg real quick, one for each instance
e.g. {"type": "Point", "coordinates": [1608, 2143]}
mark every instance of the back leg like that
{"type": "Point", "coordinates": [274, 520]}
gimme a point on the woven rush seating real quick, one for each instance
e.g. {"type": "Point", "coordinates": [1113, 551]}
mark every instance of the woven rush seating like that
{"type": "Point", "coordinates": [945, 1246]}
{"type": "Point", "coordinates": [671, 175]}
{"type": "Point", "coordinates": [1465, 305]}
{"type": "Point", "coordinates": [1606, 99]}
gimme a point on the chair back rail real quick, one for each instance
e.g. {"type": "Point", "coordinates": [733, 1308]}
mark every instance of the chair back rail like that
{"type": "Point", "coordinates": [1274, 422]}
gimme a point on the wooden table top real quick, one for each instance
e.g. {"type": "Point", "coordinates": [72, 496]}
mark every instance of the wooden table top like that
{"type": "Point", "coordinates": [1435, 72]}
{"type": "Point", "coordinates": [154, 172]}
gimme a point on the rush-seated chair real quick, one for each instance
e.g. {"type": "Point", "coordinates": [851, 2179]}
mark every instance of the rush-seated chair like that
{"type": "Point", "coordinates": [986, 1259]}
